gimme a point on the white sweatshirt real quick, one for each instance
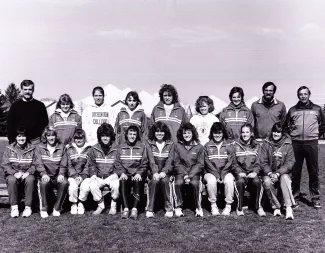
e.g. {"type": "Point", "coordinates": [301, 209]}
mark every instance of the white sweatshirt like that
{"type": "Point", "coordinates": [203, 124]}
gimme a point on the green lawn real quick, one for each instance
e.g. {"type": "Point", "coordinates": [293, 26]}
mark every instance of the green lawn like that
{"type": "Point", "coordinates": [188, 234]}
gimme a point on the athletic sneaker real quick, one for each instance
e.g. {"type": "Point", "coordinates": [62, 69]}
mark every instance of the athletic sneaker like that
{"type": "Point", "coordinates": [98, 211]}
{"type": "Point", "coordinates": [199, 212]}
{"type": "Point", "coordinates": [150, 214]}
{"type": "Point", "coordinates": [125, 213]}
{"type": "Point", "coordinates": [27, 211]}
{"type": "Point", "coordinates": [74, 209]}
{"type": "Point", "coordinates": [214, 210]}
{"type": "Point", "coordinates": [240, 212]}
{"type": "Point", "coordinates": [44, 214]}
{"type": "Point", "coordinates": [134, 213]}
{"type": "Point", "coordinates": [295, 206]}
{"type": "Point", "coordinates": [169, 214]}
{"type": "Point", "coordinates": [112, 210]}
{"type": "Point", "coordinates": [277, 212]}
{"type": "Point", "coordinates": [81, 208]}
{"type": "Point", "coordinates": [226, 211]}
{"type": "Point", "coordinates": [261, 212]}
{"type": "Point", "coordinates": [56, 213]}
{"type": "Point", "coordinates": [14, 211]}
{"type": "Point", "coordinates": [179, 212]}
{"type": "Point", "coordinates": [317, 204]}
{"type": "Point", "coordinates": [289, 213]}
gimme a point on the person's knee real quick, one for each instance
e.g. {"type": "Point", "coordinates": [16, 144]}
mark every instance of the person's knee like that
{"type": "Point", "coordinates": [30, 179]}
{"type": "Point", "coordinates": [64, 183]}
{"type": "Point", "coordinates": [256, 181]}
{"type": "Point", "coordinates": [240, 181]}
{"type": "Point", "coordinates": [229, 179]}
{"type": "Point", "coordinates": [12, 180]}
{"type": "Point", "coordinates": [210, 179]}
{"type": "Point", "coordinates": [267, 182]}
{"type": "Point", "coordinates": [115, 184]}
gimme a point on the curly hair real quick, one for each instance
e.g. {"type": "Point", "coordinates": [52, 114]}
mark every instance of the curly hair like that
{"type": "Point", "coordinates": [135, 129]}
{"type": "Point", "coordinates": [204, 99]}
{"type": "Point", "coordinates": [65, 98]}
{"type": "Point", "coordinates": [49, 130]}
{"type": "Point", "coordinates": [216, 128]}
{"type": "Point", "coordinates": [171, 89]}
{"type": "Point", "coordinates": [105, 129]}
{"type": "Point", "coordinates": [159, 127]}
{"type": "Point", "coordinates": [187, 126]}
{"type": "Point", "coordinates": [235, 90]}
{"type": "Point", "coordinates": [135, 96]}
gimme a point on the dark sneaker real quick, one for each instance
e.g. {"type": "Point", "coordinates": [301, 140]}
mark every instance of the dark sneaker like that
{"type": "Point", "coordinates": [317, 204]}
{"type": "Point", "coordinates": [295, 206]}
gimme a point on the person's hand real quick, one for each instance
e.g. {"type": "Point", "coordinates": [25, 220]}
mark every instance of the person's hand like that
{"type": "Point", "coordinates": [162, 174]}
{"type": "Point", "coordinates": [26, 174]}
{"type": "Point", "coordinates": [274, 177]}
{"type": "Point", "coordinates": [45, 178]}
{"type": "Point", "coordinates": [156, 176]}
{"type": "Point", "coordinates": [60, 178]}
{"type": "Point", "coordinates": [242, 174]}
{"type": "Point", "coordinates": [220, 181]}
{"type": "Point", "coordinates": [18, 174]}
{"type": "Point", "coordinates": [187, 179]}
{"type": "Point", "coordinates": [252, 175]}
{"type": "Point", "coordinates": [123, 177]}
{"type": "Point", "coordinates": [137, 177]}
{"type": "Point", "coordinates": [79, 180]}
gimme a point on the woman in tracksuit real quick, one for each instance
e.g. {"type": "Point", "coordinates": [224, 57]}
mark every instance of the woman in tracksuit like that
{"type": "Point", "coordinates": [169, 110]}
{"type": "Point", "coordinates": [52, 166]}
{"type": "Point", "coordinates": [218, 169]}
{"type": "Point", "coordinates": [131, 166]}
{"type": "Point", "coordinates": [247, 169]}
{"type": "Point", "coordinates": [188, 163]}
{"type": "Point", "coordinates": [236, 114]}
{"type": "Point", "coordinates": [161, 147]}
{"type": "Point", "coordinates": [19, 170]}
{"type": "Point", "coordinates": [276, 160]}
{"type": "Point", "coordinates": [133, 114]}
{"type": "Point", "coordinates": [101, 158]}
{"type": "Point", "coordinates": [78, 172]}
{"type": "Point", "coordinates": [65, 119]}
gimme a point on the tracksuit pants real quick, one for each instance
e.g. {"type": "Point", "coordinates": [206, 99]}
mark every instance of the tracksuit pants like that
{"type": "Point", "coordinates": [164, 185]}
{"type": "Point", "coordinates": [310, 153]}
{"type": "Point", "coordinates": [125, 189]}
{"type": "Point", "coordinates": [212, 187]}
{"type": "Point", "coordinates": [83, 188]}
{"type": "Point", "coordinates": [195, 186]}
{"type": "Point", "coordinates": [44, 189]}
{"type": "Point", "coordinates": [97, 185]}
{"type": "Point", "coordinates": [254, 186]}
{"type": "Point", "coordinates": [285, 186]}
{"type": "Point", "coordinates": [13, 189]}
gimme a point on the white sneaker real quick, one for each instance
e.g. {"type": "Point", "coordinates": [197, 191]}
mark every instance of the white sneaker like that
{"type": "Point", "coordinates": [179, 212]}
{"type": "Point", "coordinates": [44, 214]}
{"type": "Point", "coordinates": [27, 211]}
{"type": "Point", "coordinates": [81, 208]}
{"type": "Point", "coordinates": [150, 214]}
{"type": "Point", "coordinates": [261, 212]}
{"type": "Point", "coordinates": [289, 213]}
{"type": "Point", "coordinates": [169, 214]}
{"type": "Point", "coordinates": [226, 211]}
{"type": "Point", "coordinates": [14, 211]}
{"type": "Point", "coordinates": [56, 213]}
{"type": "Point", "coordinates": [74, 209]}
{"type": "Point", "coordinates": [240, 212]}
{"type": "Point", "coordinates": [277, 212]}
{"type": "Point", "coordinates": [199, 212]}
{"type": "Point", "coordinates": [214, 210]}
{"type": "Point", "coordinates": [112, 210]}
{"type": "Point", "coordinates": [98, 211]}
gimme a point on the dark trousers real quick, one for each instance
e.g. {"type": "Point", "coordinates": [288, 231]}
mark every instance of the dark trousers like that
{"type": "Point", "coordinates": [46, 187]}
{"type": "Point", "coordinates": [254, 186]}
{"type": "Point", "coordinates": [153, 187]}
{"type": "Point", "coordinates": [310, 153]}
{"type": "Point", "coordinates": [13, 189]}
{"type": "Point", "coordinates": [125, 189]}
{"type": "Point", "coordinates": [179, 186]}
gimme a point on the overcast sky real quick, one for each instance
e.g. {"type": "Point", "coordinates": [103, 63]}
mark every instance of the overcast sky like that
{"type": "Point", "coordinates": [203, 47]}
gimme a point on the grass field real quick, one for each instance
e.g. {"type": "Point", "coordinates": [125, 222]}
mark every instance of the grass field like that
{"type": "Point", "coordinates": [105, 233]}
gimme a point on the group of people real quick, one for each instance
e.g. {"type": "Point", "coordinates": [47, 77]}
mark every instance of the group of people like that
{"type": "Point", "coordinates": [258, 149]}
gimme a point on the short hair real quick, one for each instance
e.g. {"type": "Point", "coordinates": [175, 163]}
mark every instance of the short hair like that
{"type": "Point", "coordinates": [188, 126]}
{"type": "Point", "coordinates": [65, 98]}
{"type": "Point", "coordinates": [251, 129]}
{"type": "Point", "coordinates": [49, 130]}
{"type": "Point", "coordinates": [204, 99]}
{"type": "Point", "coordinates": [218, 127]}
{"type": "Point", "coordinates": [100, 89]}
{"type": "Point", "coordinates": [135, 96]}
{"type": "Point", "coordinates": [235, 90]}
{"type": "Point", "coordinates": [79, 133]}
{"type": "Point", "coordinates": [132, 128]}
{"type": "Point", "coordinates": [303, 88]}
{"type": "Point", "coordinates": [105, 129]}
{"type": "Point", "coordinates": [159, 126]}
{"type": "Point", "coordinates": [267, 84]}
{"type": "Point", "coordinates": [26, 83]}
{"type": "Point", "coordinates": [277, 127]}
{"type": "Point", "coordinates": [171, 89]}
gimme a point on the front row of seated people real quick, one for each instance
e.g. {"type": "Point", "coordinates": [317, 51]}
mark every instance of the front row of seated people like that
{"type": "Point", "coordinates": [78, 169]}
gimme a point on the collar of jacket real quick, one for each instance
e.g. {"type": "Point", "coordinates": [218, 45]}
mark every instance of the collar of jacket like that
{"type": "Point", "coordinates": [301, 106]}
{"type": "Point", "coordinates": [273, 102]}
{"type": "Point", "coordinates": [251, 144]}
{"type": "Point", "coordinates": [153, 142]}
{"type": "Point", "coordinates": [28, 148]}
{"type": "Point", "coordinates": [74, 146]}
{"type": "Point", "coordinates": [193, 143]}
{"type": "Point", "coordinates": [59, 111]}
{"type": "Point", "coordinates": [242, 105]}
{"type": "Point", "coordinates": [98, 147]}
{"type": "Point", "coordinates": [96, 106]}
{"type": "Point", "coordinates": [139, 108]}
{"type": "Point", "coordinates": [161, 105]}
{"type": "Point", "coordinates": [284, 140]}
{"type": "Point", "coordinates": [58, 146]}
{"type": "Point", "coordinates": [211, 143]}
{"type": "Point", "coordinates": [136, 145]}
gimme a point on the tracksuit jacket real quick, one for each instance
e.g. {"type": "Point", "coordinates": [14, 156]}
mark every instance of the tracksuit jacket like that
{"type": "Point", "coordinates": [161, 158]}
{"type": "Point", "coordinates": [54, 165]}
{"type": "Point", "coordinates": [233, 118]}
{"type": "Point", "coordinates": [303, 122]}
{"type": "Point", "coordinates": [132, 160]}
{"type": "Point", "coordinates": [100, 164]}
{"type": "Point", "coordinates": [218, 162]}
{"type": "Point", "coordinates": [176, 118]}
{"type": "Point", "coordinates": [277, 157]}
{"type": "Point", "coordinates": [15, 159]}
{"type": "Point", "coordinates": [246, 160]}
{"type": "Point", "coordinates": [65, 128]}
{"type": "Point", "coordinates": [265, 116]}
{"type": "Point", "coordinates": [77, 162]}
{"type": "Point", "coordinates": [124, 120]}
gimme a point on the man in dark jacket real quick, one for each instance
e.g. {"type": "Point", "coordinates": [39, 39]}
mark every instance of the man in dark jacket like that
{"type": "Point", "coordinates": [28, 113]}
{"type": "Point", "coordinates": [303, 121]}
